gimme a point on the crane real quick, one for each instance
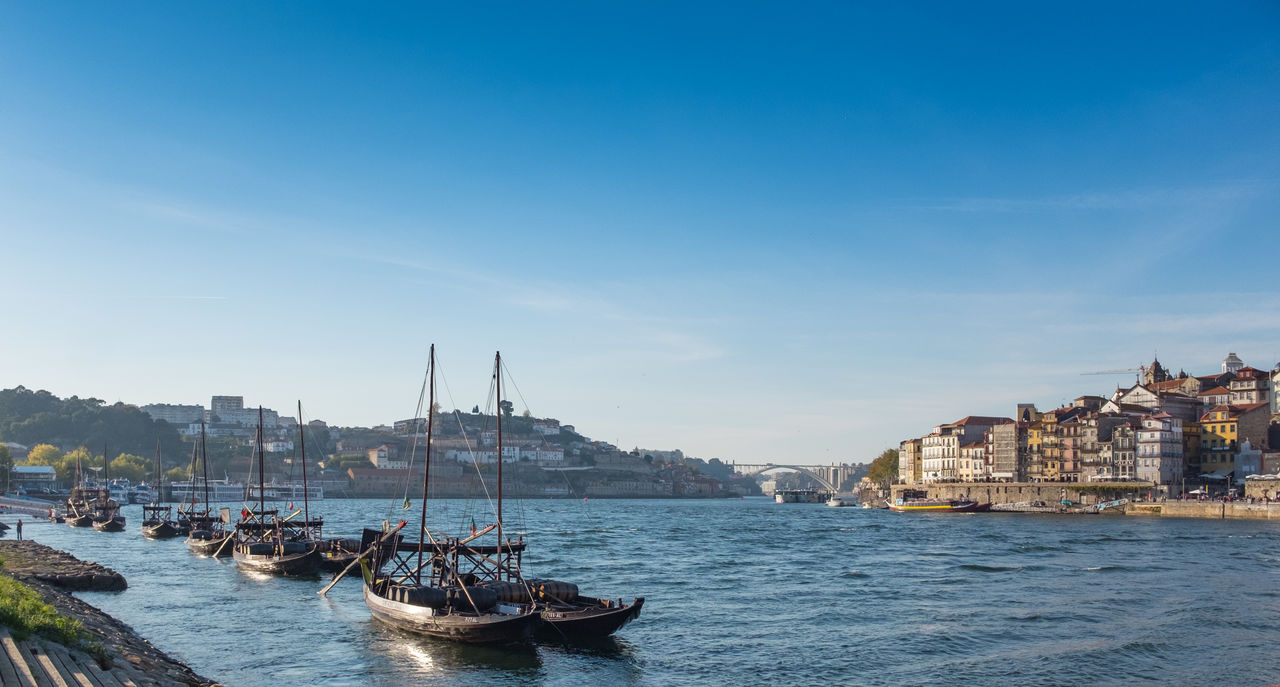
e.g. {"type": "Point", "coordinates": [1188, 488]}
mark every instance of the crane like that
{"type": "Point", "coordinates": [1140, 370]}
{"type": "Point", "coordinates": [1124, 371]}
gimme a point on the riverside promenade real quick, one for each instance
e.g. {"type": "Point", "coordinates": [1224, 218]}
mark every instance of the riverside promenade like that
{"type": "Point", "coordinates": [110, 653]}
{"type": "Point", "coordinates": [1054, 493]}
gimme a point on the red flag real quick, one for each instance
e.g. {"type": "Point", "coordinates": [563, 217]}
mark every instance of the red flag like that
{"type": "Point", "coordinates": [244, 514]}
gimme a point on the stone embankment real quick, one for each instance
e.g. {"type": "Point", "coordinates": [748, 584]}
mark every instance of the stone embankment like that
{"type": "Point", "coordinates": [1216, 510]}
{"type": "Point", "coordinates": [1054, 493]}
{"type": "Point", "coordinates": [126, 658]}
{"type": "Point", "coordinates": [28, 560]}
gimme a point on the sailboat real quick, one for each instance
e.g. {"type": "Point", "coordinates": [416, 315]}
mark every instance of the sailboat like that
{"type": "Point", "coordinates": [79, 512]}
{"type": "Point", "coordinates": [156, 520]}
{"type": "Point", "coordinates": [267, 543]}
{"type": "Point", "coordinates": [208, 536]}
{"type": "Point", "coordinates": [565, 613]}
{"type": "Point", "coordinates": [430, 586]}
{"type": "Point", "coordinates": [106, 510]}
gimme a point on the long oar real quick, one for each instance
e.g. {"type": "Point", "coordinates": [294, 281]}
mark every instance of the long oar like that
{"type": "Point", "coordinates": [226, 541]}
{"type": "Point", "coordinates": [366, 552]}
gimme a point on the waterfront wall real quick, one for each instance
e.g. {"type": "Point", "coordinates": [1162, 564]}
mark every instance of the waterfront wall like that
{"type": "Point", "coordinates": [1020, 492]}
{"type": "Point", "coordinates": [1216, 510]}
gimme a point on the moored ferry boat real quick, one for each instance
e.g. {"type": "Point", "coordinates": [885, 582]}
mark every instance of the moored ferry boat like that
{"type": "Point", "coordinates": [936, 505]}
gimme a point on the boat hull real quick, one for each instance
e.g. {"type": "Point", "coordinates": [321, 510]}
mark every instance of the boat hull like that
{"type": "Point", "coordinates": [79, 520]}
{"type": "Point", "coordinates": [211, 546]}
{"type": "Point", "coordinates": [162, 530]}
{"type": "Point", "coordinates": [593, 620]}
{"type": "Point", "coordinates": [467, 628]}
{"type": "Point", "coordinates": [956, 507]}
{"type": "Point", "coordinates": [289, 565]}
{"type": "Point", "coordinates": [113, 525]}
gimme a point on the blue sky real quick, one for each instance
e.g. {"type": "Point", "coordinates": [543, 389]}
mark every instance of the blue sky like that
{"type": "Point", "coordinates": [752, 231]}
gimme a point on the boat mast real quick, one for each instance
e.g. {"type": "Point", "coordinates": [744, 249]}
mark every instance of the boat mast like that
{"type": "Point", "coordinates": [106, 462]}
{"type": "Point", "coordinates": [156, 500]}
{"type": "Point", "coordinates": [204, 465]}
{"type": "Point", "coordinates": [302, 440]}
{"type": "Point", "coordinates": [497, 376]}
{"type": "Point", "coordinates": [426, 465]}
{"type": "Point", "coordinates": [262, 487]}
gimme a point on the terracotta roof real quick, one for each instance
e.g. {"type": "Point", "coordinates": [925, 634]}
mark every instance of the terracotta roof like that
{"type": "Point", "coordinates": [1171, 384]}
{"type": "Point", "coordinates": [982, 420]}
{"type": "Point", "coordinates": [1217, 391]}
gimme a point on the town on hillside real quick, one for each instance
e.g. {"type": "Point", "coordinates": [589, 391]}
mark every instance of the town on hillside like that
{"type": "Point", "coordinates": [45, 437]}
{"type": "Point", "coordinates": [1205, 434]}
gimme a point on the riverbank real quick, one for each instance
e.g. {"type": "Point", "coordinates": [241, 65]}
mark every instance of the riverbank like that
{"type": "Point", "coordinates": [111, 653]}
{"type": "Point", "coordinates": [1055, 493]}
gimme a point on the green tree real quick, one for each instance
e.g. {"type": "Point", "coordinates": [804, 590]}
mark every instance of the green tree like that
{"type": "Point", "coordinates": [131, 467]}
{"type": "Point", "coordinates": [175, 475]}
{"type": "Point", "coordinates": [44, 454]}
{"type": "Point", "coordinates": [884, 469]}
{"type": "Point", "coordinates": [6, 465]}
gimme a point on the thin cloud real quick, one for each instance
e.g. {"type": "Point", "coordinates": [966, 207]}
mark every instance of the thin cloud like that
{"type": "Point", "coordinates": [1127, 199]}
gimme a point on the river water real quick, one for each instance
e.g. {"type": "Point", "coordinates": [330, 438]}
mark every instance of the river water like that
{"type": "Point", "coordinates": [754, 592]}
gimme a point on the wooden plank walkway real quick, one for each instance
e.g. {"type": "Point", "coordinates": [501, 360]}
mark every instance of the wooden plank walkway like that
{"type": "Point", "coordinates": [38, 663]}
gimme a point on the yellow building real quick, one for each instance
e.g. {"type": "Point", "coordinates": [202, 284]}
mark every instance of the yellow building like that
{"type": "Point", "coordinates": [1219, 432]}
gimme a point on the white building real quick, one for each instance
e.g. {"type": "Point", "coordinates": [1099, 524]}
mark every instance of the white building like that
{"type": "Point", "coordinates": [1159, 449]}
{"type": "Point", "coordinates": [1231, 363]}
{"type": "Point", "coordinates": [940, 450]}
{"type": "Point", "coordinates": [176, 415]}
{"type": "Point", "coordinates": [386, 457]}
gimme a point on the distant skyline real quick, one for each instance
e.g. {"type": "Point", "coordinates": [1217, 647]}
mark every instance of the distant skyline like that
{"type": "Point", "coordinates": [760, 232]}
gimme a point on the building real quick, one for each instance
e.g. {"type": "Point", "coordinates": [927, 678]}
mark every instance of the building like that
{"type": "Point", "coordinates": [940, 450]}
{"type": "Point", "coordinates": [33, 477]}
{"type": "Point", "coordinates": [231, 410]}
{"type": "Point", "coordinates": [1159, 450]}
{"type": "Point", "coordinates": [547, 427]}
{"type": "Point", "coordinates": [909, 467]}
{"type": "Point", "coordinates": [416, 426]}
{"type": "Point", "coordinates": [1007, 450]}
{"type": "Point", "coordinates": [387, 457]}
{"type": "Point", "coordinates": [1251, 386]}
{"type": "Point", "coordinates": [973, 463]}
{"type": "Point", "coordinates": [176, 415]}
{"type": "Point", "coordinates": [1231, 363]}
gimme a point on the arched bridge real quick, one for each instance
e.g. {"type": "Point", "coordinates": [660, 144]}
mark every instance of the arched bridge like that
{"type": "Point", "coordinates": [829, 476]}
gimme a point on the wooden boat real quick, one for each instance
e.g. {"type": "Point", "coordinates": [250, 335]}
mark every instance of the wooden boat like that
{"type": "Point", "coordinates": [338, 554]}
{"type": "Point", "coordinates": [157, 522]}
{"type": "Point", "coordinates": [206, 533]}
{"type": "Point", "coordinates": [106, 510]}
{"type": "Point", "coordinates": [574, 617]}
{"type": "Point", "coordinates": [435, 587]}
{"type": "Point", "coordinates": [264, 542]}
{"type": "Point", "coordinates": [565, 615]}
{"type": "Point", "coordinates": [79, 512]}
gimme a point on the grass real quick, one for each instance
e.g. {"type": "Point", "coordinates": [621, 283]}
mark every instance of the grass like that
{"type": "Point", "coordinates": [24, 611]}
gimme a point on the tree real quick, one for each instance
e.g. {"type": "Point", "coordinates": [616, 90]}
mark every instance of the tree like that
{"type": "Point", "coordinates": [44, 454]}
{"type": "Point", "coordinates": [131, 467]}
{"type": "Point", "coordinates": [6, 465]}
{"type": "Point", "coordinates": [884, 469]}
{"type": "Point", "coordinates": [526, 413]}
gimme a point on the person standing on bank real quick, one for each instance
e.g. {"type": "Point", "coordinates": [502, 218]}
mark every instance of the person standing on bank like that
{"type": "Point", "coordinates": [19, 529]}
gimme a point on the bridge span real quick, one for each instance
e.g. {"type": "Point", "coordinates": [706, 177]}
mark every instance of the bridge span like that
{"type": "Point", "coordinates": [829, 476]}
